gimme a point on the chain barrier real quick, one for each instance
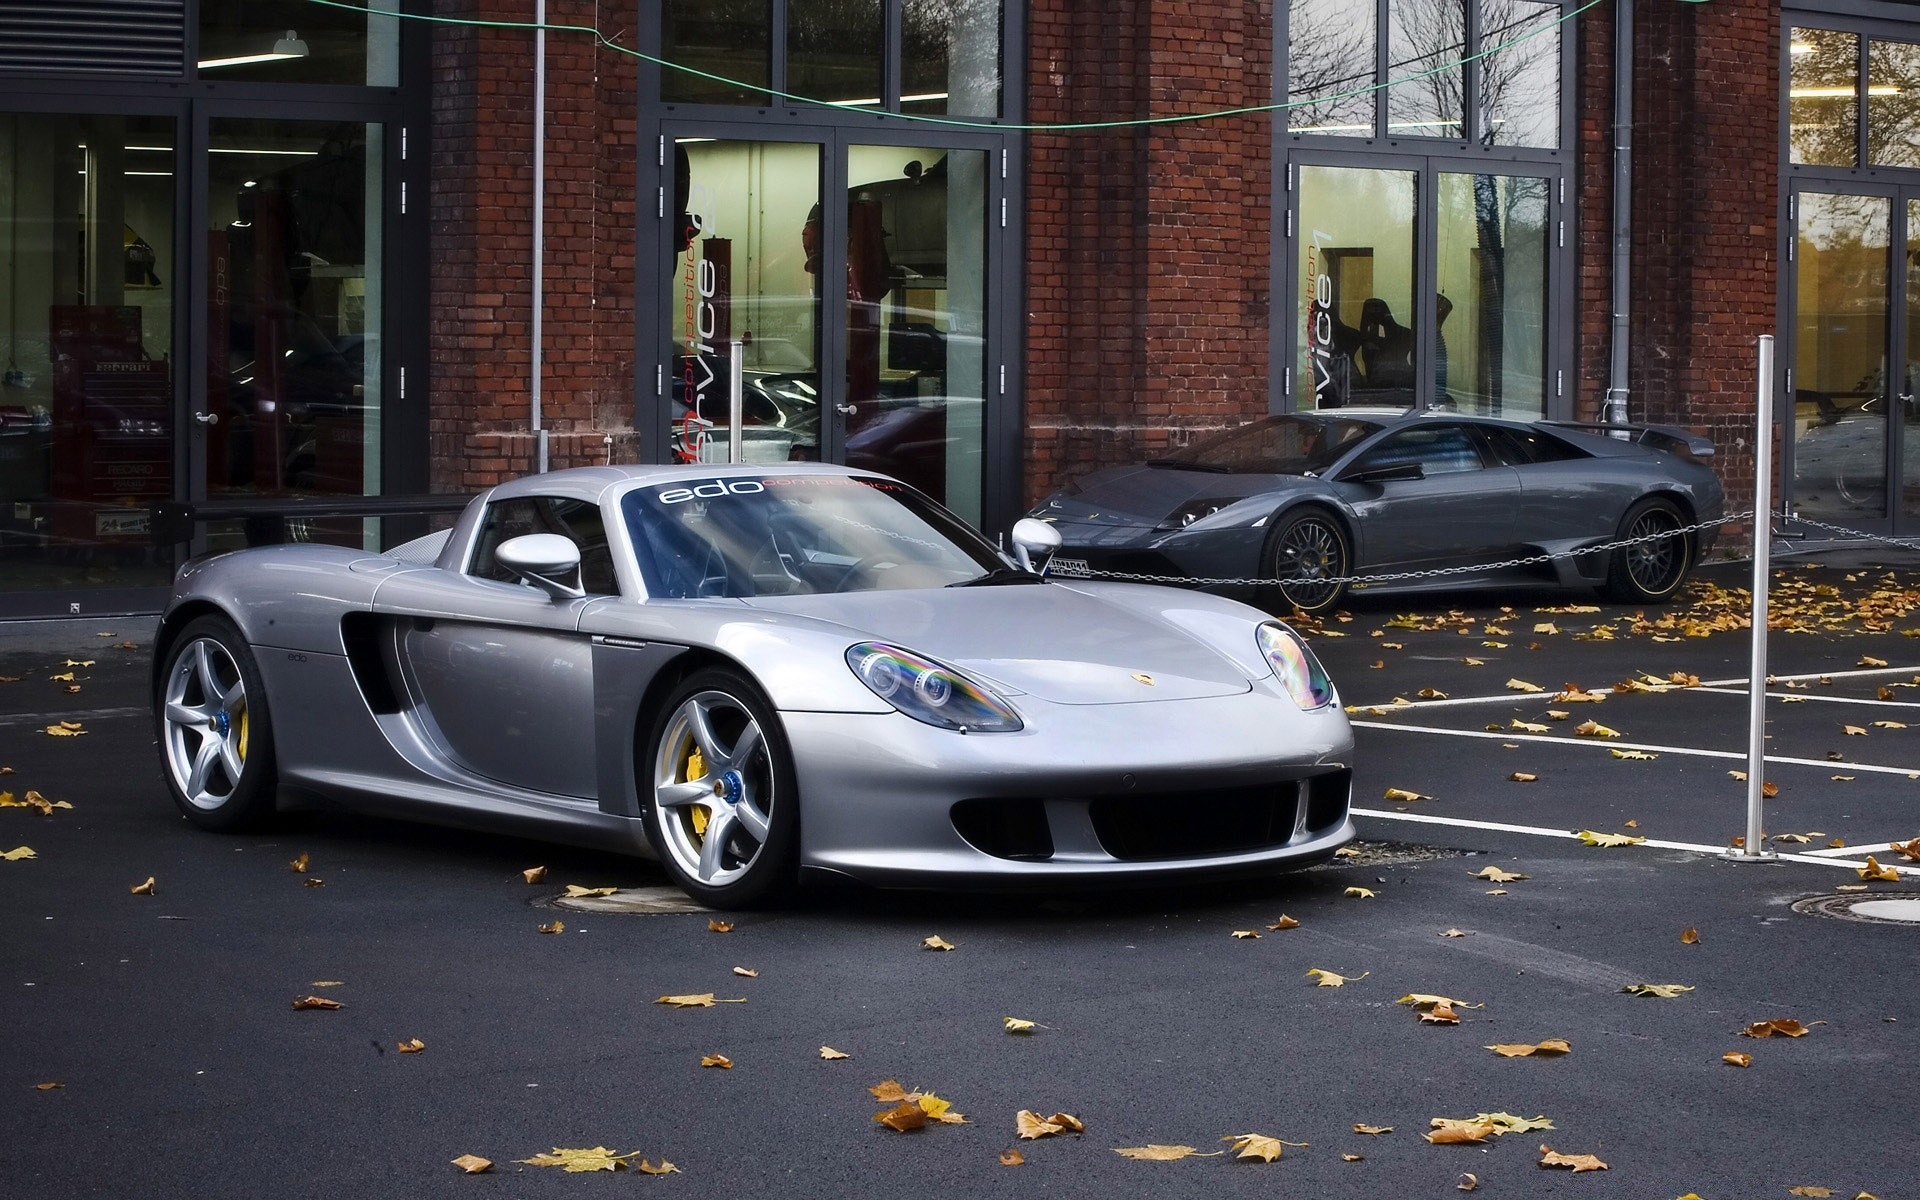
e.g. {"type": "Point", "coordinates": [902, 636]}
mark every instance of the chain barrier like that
{"type": "Point", "coordinates": [1071, 572]}
{"type": "Point", "coordinates": [1855, 533]}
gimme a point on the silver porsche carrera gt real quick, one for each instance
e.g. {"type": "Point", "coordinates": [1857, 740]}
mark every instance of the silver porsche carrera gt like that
{"type": "Point", "coordinates": [1385, 500]}
{"type": "Point", "coordinates": [754, 673]}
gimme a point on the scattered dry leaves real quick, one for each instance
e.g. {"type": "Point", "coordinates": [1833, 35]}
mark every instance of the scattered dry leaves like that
{"type": "Point", "coordinates": [1029, 1124]}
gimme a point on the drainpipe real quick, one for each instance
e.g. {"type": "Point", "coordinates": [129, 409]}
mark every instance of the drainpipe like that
{"type": "Point", "coordinates": [539, 221]}
{"type": "Point", "coordinates": [1616, 408]}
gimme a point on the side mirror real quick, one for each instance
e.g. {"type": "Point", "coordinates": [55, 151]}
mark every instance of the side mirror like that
{"type": "Point", "coordinates": [1034, 542]}
{"type": "Point", "coordinates": [545, 560]}
{"type": "Point", "coordinates": [1392, 474]}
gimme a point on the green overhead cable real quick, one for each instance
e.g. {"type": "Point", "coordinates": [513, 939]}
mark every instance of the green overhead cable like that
{"type": "Point", "coordinates": [963, 122]}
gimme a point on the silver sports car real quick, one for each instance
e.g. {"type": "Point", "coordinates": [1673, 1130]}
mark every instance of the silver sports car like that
{"type": "Point", "coordinates": [1313, 500]}
{"type": "Point", "coordinates": [753, 673]}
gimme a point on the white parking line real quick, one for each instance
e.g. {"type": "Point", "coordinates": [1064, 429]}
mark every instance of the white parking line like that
{"type": "Point", "coordinates": [1796, 697]}
{"type": "Point", "coordinates": [1862, 848]}
{"type": "Point", "coordinates": [1650, 843]}
{"type": "Point", "coordinates": [1654, 748]}
{"type": "Point", "coordinates": [1546, 697]}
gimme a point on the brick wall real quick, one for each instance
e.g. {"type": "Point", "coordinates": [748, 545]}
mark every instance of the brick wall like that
{"type": "Point", "coordinates": [1147, 248]}
{"type": "Point", "coordinates": [481, 213]}
{"type": "Point", "coordinates": [1705, 217]}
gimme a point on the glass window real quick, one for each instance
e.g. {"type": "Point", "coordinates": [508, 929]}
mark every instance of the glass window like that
{"type": "Point", "coordinates": [1893, 104]}
{"type": "Point", "coordinates": [297, 41]}
{"type": "Point", "coordinates": [1426, 43]}
{"type": "Point", "coordinates": [1330, 66]}
{"type": "Point", "coordinates": [1823, 97]}
{"type": "Point", "coordinates": [89, 275]}
{"type": "Point", "coordinates": [1842, 305]}
{"type": "Point", "coordinates": [1490, 339]}
{"type": "Point", "coordinates": [1435, 449]}
{"type": "Point", "coordinates": [293, 246]}
{"type": "Point", "coordinates": [916, 317]}
{"type": "Point", "coordinates": [1357, 260]}
{"type": "Point", "coordinates": [576, 520]}
{"type": "Point", "coordinates": [834, 50]}
{"type": "Point", "coordinates": [1294, 444]}
{"type": "Point", "coordinates": [730, 39]}
{"type": "Point", "coordinates": [748, 267]}
{"type": "Point", "coordinates": [950, 57]}
{"type": "Point", "coordinates": [1520, 73]}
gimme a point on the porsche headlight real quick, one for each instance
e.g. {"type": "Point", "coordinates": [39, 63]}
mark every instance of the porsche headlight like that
{"type": "Point", "coordinates": [1295, 666]}
{"type": "Point", "coordinates": [929, 691]}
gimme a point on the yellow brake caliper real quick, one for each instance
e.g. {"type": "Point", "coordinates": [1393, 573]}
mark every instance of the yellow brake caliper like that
{"type": "Point", "coordinates": [243, 735]}
{"type": "Point", "coordinates": [697, 769]}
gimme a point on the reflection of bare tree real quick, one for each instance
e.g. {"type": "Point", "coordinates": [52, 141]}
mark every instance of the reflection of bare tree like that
{"type": "Point", "coordinates": [1520, 80]}
{"type": "Point", "coordinates": [1330, 54]}
{"type": "Point", "coordinates": [1426, 39]}
{"type": "Point", "coordinates": [952, 47]}
{"type": "Point", "coordinates": [1893, 104]}
{"type": "Point", "coordinates": [1823, 105]}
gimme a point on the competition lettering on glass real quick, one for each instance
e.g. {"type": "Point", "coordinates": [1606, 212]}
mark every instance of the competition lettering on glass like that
{"type": "Point", "coordinates": [700, 283]}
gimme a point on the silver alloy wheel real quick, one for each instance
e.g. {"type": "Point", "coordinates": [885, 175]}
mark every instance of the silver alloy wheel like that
{"type": "Point", "coordinates": [1655, 567]}
{"type": "Point", "coordinates": [204, 727]}
{"type": "Point", "coordinates": [732, 784]}
{"type": "Point", "coordinates": [1311, 549]}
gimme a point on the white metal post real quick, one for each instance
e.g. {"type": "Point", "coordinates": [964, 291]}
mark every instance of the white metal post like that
{"type": "Point", "coordinates": [535, 417]}
{"type": "Point", "coordinates": [1754, 848]}
{"type": "Point", "coordinates": [736, 398]}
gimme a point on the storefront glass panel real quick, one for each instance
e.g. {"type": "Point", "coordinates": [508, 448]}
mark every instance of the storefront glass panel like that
{"type": "Point", "coordinates": [90, 279]}
{"type": "Point", "coordinates": [834, 50]}
{"type": "Point", "coordinates": [1520, 73]}
{"type": "Point", "coordinates": [1426, 78]}
{"type": "Point", "coordinates": [298, 41]}
{"type": "Point", "coordinates": [1840, 393]}
{"type": "Point", "coordinates": [1909, 395]}
{"type": "Point", "coordinates": [1893, 104]}
{"type": "Point", "coordinates": [1356, 270]}
{"type": "Point", "coordinates": [950, 57]}
{"type": "Point", "coordinates": [729, 39]}
{"type": "Point", "coordinates": [1490, 339]}
{"type": "Point", "coordinates": [916, 318]}
{"type": "Point", "coordinates": [293, 250]}
{"type": "Point", "coordinates": [748, 266]}
{"type": "Point", "coordinates": [1330, 66]}
{"type": "Point", "coordinates": [1823, 101]}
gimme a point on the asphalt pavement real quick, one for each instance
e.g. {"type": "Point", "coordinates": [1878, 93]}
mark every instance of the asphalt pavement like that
{"type": "Point", "coordinates": [167, 1020]}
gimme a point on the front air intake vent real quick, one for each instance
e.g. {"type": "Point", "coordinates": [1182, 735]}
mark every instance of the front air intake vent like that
{"type": "Point", "coordinates": [132, 38]}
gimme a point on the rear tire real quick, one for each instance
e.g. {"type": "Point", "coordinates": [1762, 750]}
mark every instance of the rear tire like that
{"type": "Point", "coordinates": [216, 738]}
{"type": "Point", "coordinates": [1651, 572]}
{"type": "Point", "coordinates": [722, 806]}
{"type": "Point", "coordinates": [1307, 545]}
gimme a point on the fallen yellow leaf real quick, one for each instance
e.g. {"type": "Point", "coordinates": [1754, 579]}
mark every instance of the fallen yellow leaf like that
{"type": "Point", "coordinates": [832, 1055]}
{"type": "Point", "coordinates": [1496, 875]}
{"type": "Point", "coordinates": [1257, 1145]}
{"type": "Point", "coordinates": [1159, 1153]}
{"type": "Point", "coordinates": [1403, 796]}
{"type": "Point", "coordinates": [1854, 730]}
{"type": "Point", "coordinates": [716, 1060]}
{"type": "Point", "coordinates": [1424, 694]}
{"type": "Point", "coordinates": [554, 927]}
{"type": "Point", "coordinates": [1664, 991]}
{"type": "Point", "coordinates": [1521, 685]}
{"type": "Point", "coordinates": [696, 1000]}
{"type": "Point", "coordinates": [665, 1167]}
{"type": "Point", "coordinates": [47, 1087]}
{"type": "Point", "coordinates": [1634, 755]}
{"type": "Point", "coordinates": [1783, 1026]}
{"type": "Point", "coordinates": [746, 972]}
{"type": "Point", "coordinates": [473, 1164]}
{"type": "Point", "coordinates": [1245, 934]}
{"type": "Point", "coordinates": [1595, 729]}
{"type": "Point", "coordinates": [534, 874]}
{"type": "Point", "coordinates": [411, 1046]}
{"type": "Point", "coordinates": [903, 1117]}
{"type": "Point", "coordinates": [1734, 1058]}
{"type": "Point", "coordinates": [717, 926]}
{"type": "Point", "coordinates": [1447, 1131]}
{"type": "Point", "coordinates": [1906, 849]}
{"type": "Point", "coordinates": [1523, 777]}
{"type": "Point", "coordinates": [936, 942]}
{"type": "Point", "coordinates": [1874, 871]}
{"type": "Point", "coordinates": [1029, 1124]}
{"type": "Point", "coordinates": [1579, 1162]}
{"type": "Point", "coordinates": [1423, 1000]}
{"type": "Point", "coordinates": [1526, 726]}
{"type": "Point", "coordinates": [317, 1002]}
{"type": "Point", "coordinates": [1454, 933]}
{"type": "Point", "coordinates": [575, 891]}
{"type": "Point", "coordinates": [1609, 839]}
{"type": "Point", "coordinates": [143, 889]}
{"type": "Point", "coordinates": [1287, 922]}
{"type": "Point", "coordinates": [300, 864]}
{"type": "Point", "coordinates": [1011, 1158]}
{"type": "Point", "coordinates": [1358, 893]}
{"type": "Point", "coordinates": [66, 729]}
{"type": "Point", "coordinates": [1353, 1158]}
{"type": "Point", "coordinates": [1689, 936]}
{"type": "Point", "coordinates": [1548, 1048]}
{"type": "Point", "coordinates": [1017, 1025]}
{"type": "Point", "coordinates": [1440, 1014]}
{"type": "Point", "coordinates": [1325, 978]}
{"type": "Point", "coordinates": [1372, 1129]}
{"type": "Point", "coordinates": [575, 1162]}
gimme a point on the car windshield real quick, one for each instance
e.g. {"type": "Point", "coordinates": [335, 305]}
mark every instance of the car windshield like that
{"type": "Point", "coordinates": [787, 535]}
{"type": "Point", "coordinates": [1295, 444]}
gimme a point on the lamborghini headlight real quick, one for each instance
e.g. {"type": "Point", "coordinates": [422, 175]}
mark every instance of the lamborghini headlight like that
{"type": "Point", "coordinates": [1295, 666]}
{"type": "Point", "coordinates": [929, 691]}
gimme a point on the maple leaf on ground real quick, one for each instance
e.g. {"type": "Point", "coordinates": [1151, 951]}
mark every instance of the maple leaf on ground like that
{"type": "Point", "coordinates": [665, 1167]}
{"type": "Point", "coordinates": [696, 1000]}
{"type": "Point", "coordinates": [1257, 1145]}
{"type": "Point", "coordinates": [1496, 875]}
{"type": "Point", "coordinates": [1506, 1122]}
{"type": "Point", "coordinates": [1784, 1026]}
{"type": "Point", "coordinates": [1017, 1025]}
{"type": "Point", "coordinates": [146, 888]}
{"type": "Point", "coordinates": [473, 1164]}
{"type": "Point", "coordinates": [1550, 1048]}
{"type": "Point", "coordinates": [1029, 1124]}
{"type": "Point", "coordinates": [832, 1055]}
{"type": "Point", "coordinates": [1873, 870]}
{"type": "Point", "coordinates": [1608, 839]}
{"type": "Point", "coordinates": [1578, 1162]}
{"type": "Point", "coordinates": [1807, 1189]}
{"type": "Point", "coordinates": [1633, 755]}
{"type": "Point", "coordinates": [411, 1046]}
{"type": "Point", "coordinates": [1159, 1153]}
{"type": "Point", "coordinates": [320, 1002]}
{"type": "Point", "coordinates": [1448, 1131]}
{"type": "Point", "coordinates": [1906, 849]}
{"type": "Point", "coordinates": [1520, 726]}
{"type": "Point", "coordinates": [1424, 1001]}
{"type": "Point", "coordinates": [1735, 1058]}
{"type": "Point", "coordinates": [300, 864]}
{"type": "Point", "coordinates": [1664, 991]}
{"type": "Point", "coordinates": [746, 972]}
{"type": "Point", "coordinates": [1245, 935]}
{"type": "Point", "coordinates": [1689, 936]}
{"type": "Point", "coordinates": [1287, 922]}
{"type": "Point", "coordinates": [903, 1117]}
{"type": "Point", "coordinates": [936, 942]}
{"type": "Point", "coordinates": [534, 874]}
{"type": "Point", "coordinates": [1595, 729]}
{"type": "Point", "coordinates": [1011, 1158]}
{"type": "Point", "coordinates": [577, 1161]}
{"type": "Point", "coordinates": [1403, 796]}
{"type": "Point", "coordinates": [1358, 893]}
{"type": "Point", "coordinates": [716, 1060]}
{"type": "Point", "coordinates": [1325, 978]}
{"type": "Point", "coordinates": [1440, 1014]}
{"type": "Point", "coordinates": [554, 927]}
{"type": "Point", "coordinates": [1521, 685]}
{"type": "Point", "coordinates": [1854, 730]}
{"type": "Point", "coordinates": [889, 1091]}
{"type": "Point", "coordinates": [718, 926]}
{"type": "Point", "coordinates": [576, 892]}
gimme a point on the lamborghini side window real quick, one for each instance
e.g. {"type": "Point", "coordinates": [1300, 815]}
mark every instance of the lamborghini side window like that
{"type": "Point", "coordinates": [1523, 447]}
{"type": "Point", "coordinates": [576, 520]}
{"type": "Point", "coordinates": [1436, 449]}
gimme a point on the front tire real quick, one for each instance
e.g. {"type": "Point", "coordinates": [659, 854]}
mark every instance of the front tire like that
{"type": "Point", "coordinates": [722, 808]}
{"type": "Point", "coordinates": [1307, 548]}
{"type": "Point", "coordinates": [216, 737]}
{"type": "Point", "coordinates": [1652, 571]}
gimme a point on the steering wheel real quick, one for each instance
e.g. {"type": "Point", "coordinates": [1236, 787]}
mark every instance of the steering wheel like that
{"type": "Point", "coordinates": [865, 562]}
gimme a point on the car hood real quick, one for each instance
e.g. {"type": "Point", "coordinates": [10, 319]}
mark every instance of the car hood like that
{"type": "Point", "coordinates": [1052, 640]}
{"type": "Point", "coordinates": [1142, 495]}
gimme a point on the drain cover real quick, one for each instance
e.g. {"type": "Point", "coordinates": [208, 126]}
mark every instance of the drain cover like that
{"type": "Point", "coordinates": [645, 901]}
{"type": "Point", "coordinates": [1876, 908]}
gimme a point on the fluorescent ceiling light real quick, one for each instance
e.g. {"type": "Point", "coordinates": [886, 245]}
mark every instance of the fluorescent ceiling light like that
{"type": "Point", "coordinates": [1801, 47]}
{"type": "Point", "coordinates": [1841, 93]}
{"type": "Point", "coordinates": [869, 101]}
{"type": "Point", "coordinates": [220, 150]}
{"type": "Point", "coordinates": [289, 46]}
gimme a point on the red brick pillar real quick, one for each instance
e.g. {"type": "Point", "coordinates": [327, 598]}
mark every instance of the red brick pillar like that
{"type": "Point", "coordinates": [482, 215]}
{"type": "Point", "coordinates": [1148, 264]}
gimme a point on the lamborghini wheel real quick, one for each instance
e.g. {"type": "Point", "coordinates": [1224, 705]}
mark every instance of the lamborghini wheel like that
{"type": "Point", "coordinates": [1650, 571]}
{"type": "Point", "coordinates": [718, 780]}
{"type": "Point", "coordinates": [216, 739]}
{"type": "Point", "coordinates": [1306, 552]}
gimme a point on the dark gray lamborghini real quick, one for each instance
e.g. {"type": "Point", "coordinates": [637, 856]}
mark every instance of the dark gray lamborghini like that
{"type": "Point", "coordinates": [1317, 502]}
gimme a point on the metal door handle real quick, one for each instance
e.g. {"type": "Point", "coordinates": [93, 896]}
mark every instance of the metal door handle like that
{"type": "Point", "coordinates": [848, 409]}
{"type": "Point", "coordinates": [207, 418]}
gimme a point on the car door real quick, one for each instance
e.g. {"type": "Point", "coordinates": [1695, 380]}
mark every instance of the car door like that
{"type": "Point", "coordinates": [1458, 511]}
{"type": "Point", "coordinates": [500, 676]}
